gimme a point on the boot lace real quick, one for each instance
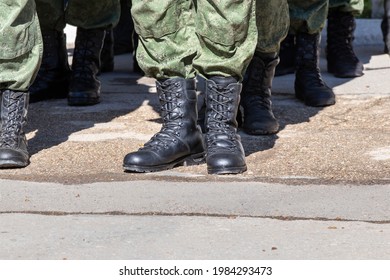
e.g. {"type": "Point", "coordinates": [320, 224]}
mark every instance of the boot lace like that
{"type": "Point", "coordinates": [340, 42]}
{"type": "Point", "coordinates": [221, 132]}
{"type": "Point", "coordinates": [170, 100]}
{"type": "Point", "coordinates": [307, 61]}
{"type": "Point", "coordinates": [257, 87]}
{"type": "Point", "coordinates": [11, 124]}
{"type": "Point", "coordinates": [86, 60]}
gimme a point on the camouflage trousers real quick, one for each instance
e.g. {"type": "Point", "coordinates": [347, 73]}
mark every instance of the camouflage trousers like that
{"type": "Point", "coordinates": [308, 16]}
{"type": "Point", "coordinates": [273, 21]}
{"type": "Point", "coordinates": [181, 38]}
{"type": "Point", "coordinates": [354, 6]}
{"type": "Point", "coordinates": [21, 44]}
{"type": "Point", "coordinates": [54, 14]}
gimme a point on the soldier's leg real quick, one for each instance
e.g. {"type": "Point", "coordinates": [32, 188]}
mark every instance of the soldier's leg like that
{"type": "Point", "coordinates": [348, 6]}
{"type": "Point", "coordinates": [52, 80]}
{"type": "Point", "coordinates": [166, 50]}
{"type": "Point", "coordinates": [228, 36]}
{"type": "Point", "coordinates": [272, 20]}
{"type": "Point", "coordinates": [342, 60]}
{"type": "Point", "coordinates": [91, 19]}
{"type": "Point", "coordinates": [307, 20]}
{"type": "Point", "coordinates": [305, 16]}
{"type": "Point", "coordinates": [20, 56]}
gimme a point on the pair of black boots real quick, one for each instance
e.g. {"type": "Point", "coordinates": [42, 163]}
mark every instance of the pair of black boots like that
{"type": "Point", "coordinates": [55, 79]}
{"type": "Point", "coordinates": [257, 117]}
{"type": "Point", "coordinates": [299, 54]}
{"type": "Point", "coordinates": [180, 140]}
{"type": "Point", "coordinates": [341, 58]}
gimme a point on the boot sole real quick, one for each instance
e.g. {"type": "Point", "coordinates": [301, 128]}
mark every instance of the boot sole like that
{"type": "Point", "coordinates": [320, 102]}
{"type": "Point", "coordinates": [13, 164]}
{"type": "Point", "coordinates": [227, 170]}
{"type": "Point", "coordinates": [260, 131]}
{"type": "Point", "coordinates": [194, 159]}
{"type": "Point", "coordinates": [348, 74]}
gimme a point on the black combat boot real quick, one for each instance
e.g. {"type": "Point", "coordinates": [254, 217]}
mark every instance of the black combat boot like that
{"type": "Point", "coordinates": [256, 96]}
{"type": "Point", "coordinates": [287, 56]}
{"type": "Point", "coordinates": [52, 80]}
{"type": "Point", "coordinates": [13, 143]}
{"type": "Point", "coordinates": [224, 151]}
{"type": "Point", "coordinates": [84, 85]}
{"type": "Point", "coordinates": [342, 60]}
{"type": "Point", "coordinates": [180, 140]}
{"type": "Point", "coordinates": [107, 53]}
{"type": "Point", "coordinates": [385, 26]}
{"type": "Point", "coordinates": [309, 86]}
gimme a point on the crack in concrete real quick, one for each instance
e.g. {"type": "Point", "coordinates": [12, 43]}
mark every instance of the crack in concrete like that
{"type": "Point", "coordinates": [194, 214]}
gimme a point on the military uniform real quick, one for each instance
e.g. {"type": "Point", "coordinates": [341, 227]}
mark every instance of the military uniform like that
{"type": "Point", "coordinates": [300, 52]}
{"type": "Point", "coordinates": [54, 14]}
{"type": "Point", "coordinates": [349, 6]}
{"type": "Point", "coordinates": [21, 44]}
{"type": "Point", "coordinates": [175, 40]}
{"type": "Point", "coordinates": [20, 56]}
{"type": "Point", "coordinates": [178, 40]}
{"type": "Point", "coordinates": [341, 58]}
{"type": "Point", "coordinates": [272, 18]}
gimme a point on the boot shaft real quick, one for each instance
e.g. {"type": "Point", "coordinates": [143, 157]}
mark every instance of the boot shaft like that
{"type": "Point", "coordinates": [307, 53]}
{"type": "Point", "coordinates": [259, 76]}
{"type": "Point", "coordinates": [385, 26]}
{"type": "Point", "coordinates": [341, 26]}
{"type": "Point", "coordinates": [339, 43]}
{"type": "Point", "coordinates": [222, 100]}
{"type": "Point", "coordinates": [87, 51]}
{"type": "Point", "coordinates": [178, 105]}
{"type": "Point", "coordinates": [55, 56]}
{"type": "Point", "coordinates": [13, 119]}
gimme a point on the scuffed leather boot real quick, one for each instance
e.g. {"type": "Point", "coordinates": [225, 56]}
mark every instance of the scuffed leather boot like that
{"type": "Point", "coordinates": [84, 85]}
{"type": "Point", "coordinates": [287, 56]}
{"type": "Point", "coordinates": [342, 60]}
{"type": "Point", "coordinates": [309, 86]}
{"type": "Point", "coordinates": [13, 143]}
{"type": "Point", "coordinates": [224, 151]}
{"type": "Point", "coordinates": [256, 96]}
{"type": "Point", "coordinates": [385, 26]}
{"type": "Point", "coordinates": [180, 140]}
{"type": "Point", "coordinates": [107, 53]}
{"type": "Point", "coordinates": [52, 80]}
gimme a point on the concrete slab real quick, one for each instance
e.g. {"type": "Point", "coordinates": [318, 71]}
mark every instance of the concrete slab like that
{"type": "Point", "coordinates": [318, 189]}
{"type": "Point", "coordinates": [149, 237]}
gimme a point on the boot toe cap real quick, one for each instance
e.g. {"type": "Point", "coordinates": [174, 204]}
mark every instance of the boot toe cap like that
{"type": "Point", "coordinates": [10, 158]}
{"type": "Point", "coordinates": [225, 163]}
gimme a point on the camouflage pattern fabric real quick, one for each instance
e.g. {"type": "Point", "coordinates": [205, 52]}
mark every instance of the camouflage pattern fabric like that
{"type": "Point", "coordinates": [21, 44]}
{"type": "Point", "coordinates": [354, 6]}
{"type": "Point", "coordinates": [273, 21]}
{"type": "Point", "coordinates": [54, 14]}
{"type": "Point", "coordinates": [308, 16]}
{"type": "Point", "coordinates": [179, 38]}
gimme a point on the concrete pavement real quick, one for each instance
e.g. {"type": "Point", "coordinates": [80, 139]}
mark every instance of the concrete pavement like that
{"type": "Point", "coordinates": [319, 189]}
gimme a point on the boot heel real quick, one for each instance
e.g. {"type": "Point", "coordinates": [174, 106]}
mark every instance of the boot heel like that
{"type": "Point", "coordinates": [195, 159]}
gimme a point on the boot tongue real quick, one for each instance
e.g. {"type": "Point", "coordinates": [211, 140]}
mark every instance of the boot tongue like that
{"type": "Point", "coordinates": [223, 82]}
